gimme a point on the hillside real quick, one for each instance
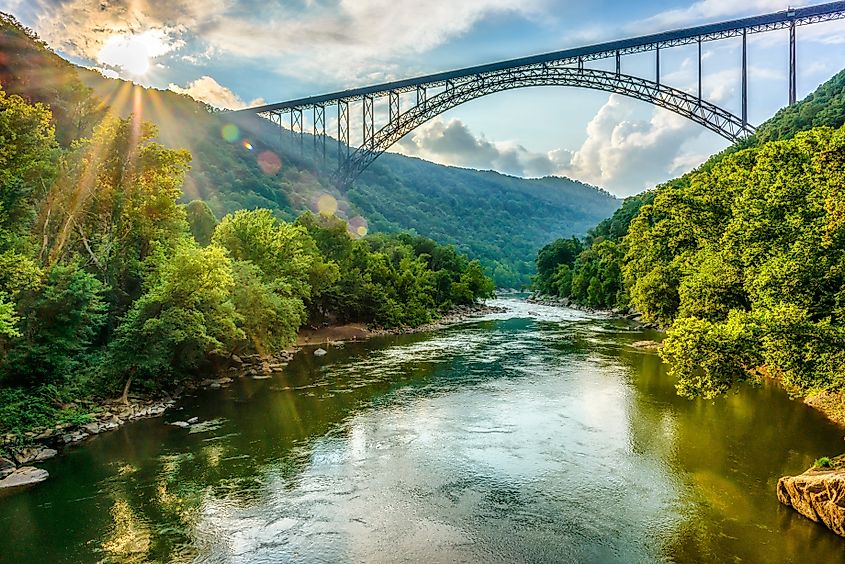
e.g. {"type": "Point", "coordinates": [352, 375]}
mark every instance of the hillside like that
{"type": "Point", "coordinates": [501, 220]}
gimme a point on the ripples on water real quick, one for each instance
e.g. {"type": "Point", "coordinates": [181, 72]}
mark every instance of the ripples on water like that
{"type": "Point", "coordinates": [536, 435]}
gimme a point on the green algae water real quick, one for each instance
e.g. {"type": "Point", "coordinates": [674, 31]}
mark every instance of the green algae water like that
{"type": "Point", "coordinates": [537, 435]}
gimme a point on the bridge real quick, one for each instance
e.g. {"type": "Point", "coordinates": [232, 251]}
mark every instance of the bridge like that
{"type": "Point", "coordinates": [428, 96]}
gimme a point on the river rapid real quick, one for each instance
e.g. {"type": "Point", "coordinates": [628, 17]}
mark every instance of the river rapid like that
{"type": "Point", "coordinates": [536, 435]}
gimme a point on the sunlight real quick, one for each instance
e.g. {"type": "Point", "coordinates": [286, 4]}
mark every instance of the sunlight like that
{"type": "Point", "coordinates": [133, 53]}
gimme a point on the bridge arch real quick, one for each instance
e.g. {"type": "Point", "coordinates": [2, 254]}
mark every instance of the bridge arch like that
{"type": "Point", "coordinates": [690, 106]}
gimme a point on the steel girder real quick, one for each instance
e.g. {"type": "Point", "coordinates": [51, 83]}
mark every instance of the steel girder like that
{"type": "Point", "coordinates": [688, 105]}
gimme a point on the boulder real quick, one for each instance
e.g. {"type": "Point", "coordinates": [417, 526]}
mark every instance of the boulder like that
{"type": "Point", "coordinates": [320, 352]}
{"type": "Point", "coordinates": [6, 467]}
{"type": "Point", "coordinates": [33, 454]}
{"type": "Point", "coordinates": [92, 428]}
{"type": "Point", "coordinates": [24, 477]}
{"type": "Point", "coordinates": [817, 494]}
{"type": "Point", "coordinates": [180, 424]}
{"type": "Point", "coordinates": [75, 437]}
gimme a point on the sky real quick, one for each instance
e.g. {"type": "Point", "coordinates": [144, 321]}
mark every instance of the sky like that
{"type": "Point", "coordinates": [237, 53]}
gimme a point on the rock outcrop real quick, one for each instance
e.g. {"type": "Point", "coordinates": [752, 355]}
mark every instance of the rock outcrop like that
{"type": "Point", "coordinates": [24, 476]}
{"type": "Point", "coordinates": [818, 494]}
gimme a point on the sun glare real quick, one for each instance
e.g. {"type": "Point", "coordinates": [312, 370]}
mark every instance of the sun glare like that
{"type": "Point", "coordinates": [133, 53]}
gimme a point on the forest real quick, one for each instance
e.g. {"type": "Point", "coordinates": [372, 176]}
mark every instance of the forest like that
{"type": "Point", "coordinates": [741, 260]}
{"type": "Point", "coordinates": [109, 284]}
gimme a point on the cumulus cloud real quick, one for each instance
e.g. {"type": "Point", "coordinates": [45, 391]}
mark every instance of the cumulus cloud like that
{"type": "Point", "coordinates": [208, 90]}
{"type": "Point", "coordinates": [84, 27]}
{"type": "Point", "coordinates": [621, 153]}
{"type": "Point", "coordinates": [453, 143]}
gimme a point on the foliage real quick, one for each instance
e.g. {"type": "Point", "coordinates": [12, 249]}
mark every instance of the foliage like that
{"type": "Point", "coordinates": [62, 318]}
{"type": "Point", "coordinates": [499, 219]}
{"type": "Point", "coordinates": [743, 259]}
{"type": "Point", "coordinates": [392, 280]}
{"type": "Point", "coordinates": [593, 275]}
{"type": "Point", "coordinates": [283, 252]}
{"type": "Point", "coordinates": [27, 160]}
{"type": "Point", "coordinates": [115, 206]}
{"type": "Point", "coordinates": [269, 321]}
{"type": "Point", "coordinates": [201, 221]}
{"type": "Point", "coordinates": [22, 409]}
{"type": "Point", "coordinates": [824, 107]}
{"type": "Point", "coordinates": [186, 314]}
{"type": "Point", "coordinates": [759, 273]}
{"type": "Point", "coordinates": [823, 462]}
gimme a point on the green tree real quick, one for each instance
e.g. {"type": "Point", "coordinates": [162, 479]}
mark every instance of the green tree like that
{"type": "Point", "coordinates": [115, 204]}
{"type": "Point", "coordinates": [201, 221]}
{"type": "Point", "coordinates": [28, 155]}
{"type": "Point", "coordinates": [63, 317]}
{"type": "Point", "coordinates": [186, 314]}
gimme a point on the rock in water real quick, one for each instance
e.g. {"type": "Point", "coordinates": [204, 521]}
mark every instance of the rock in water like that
{"type": "Point", "coordinates": [646, 345]}
{"type": "Point", "coordinates": [24, 477]}
{"type": "Point", "coordinates": [319, 352]}
{"type": "Point", "coordinates": [818, 494]}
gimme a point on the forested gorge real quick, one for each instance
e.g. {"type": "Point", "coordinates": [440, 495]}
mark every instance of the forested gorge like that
{"type": "Point", "coordinates": [109, 284]}
{"type": "Point", "coordinates": [742, 260]}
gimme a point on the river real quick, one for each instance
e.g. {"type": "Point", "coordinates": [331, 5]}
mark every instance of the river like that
{"type": "Point", "coordinates": [537, 435]}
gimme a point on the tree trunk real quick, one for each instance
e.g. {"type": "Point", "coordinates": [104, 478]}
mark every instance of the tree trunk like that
{"type": "Point", "coordinates": [124, 398]}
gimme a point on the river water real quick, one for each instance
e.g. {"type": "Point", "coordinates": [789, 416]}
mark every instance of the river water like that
{"type": "Point", "coordinates": [537, 435]}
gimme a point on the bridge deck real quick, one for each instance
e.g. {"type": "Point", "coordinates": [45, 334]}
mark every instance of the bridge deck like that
{"type": "Point", "coordinates": [710, 32]}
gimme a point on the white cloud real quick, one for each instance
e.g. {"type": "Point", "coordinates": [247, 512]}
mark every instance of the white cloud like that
{"type": "Point", "coordinates": [208, 90]}
{"type": "Point", "coordinates": [626, 155]}
{"type": "Point", "coordinates": [134, 52]}
{"type": "Point", "coordinates": [622, 154]}
{"type": "Point", "coordinates": [454, 144]}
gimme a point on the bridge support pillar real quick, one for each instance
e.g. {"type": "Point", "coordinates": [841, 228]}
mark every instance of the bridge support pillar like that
{"type": "Point", "coordinates": [699, 72]}
{"type": "Point", "coordinates": [618, 63]}
{"type": "Point", "coordinates": [394, 106]}
{"type": "Point", "coordinates": [296, 127]}
{"type": "Point", "coordinates": [421, 96]}
{"type": "Point", "coordinates": [793, 62]}
{"type": "Point", "coordinates": [657, 65]}
{"type": "Point", "coordinates": [342, 132]}
{"type": "Point", "coordinates": [744, 78]}
{"type": "Point", "coordinates": [369, 122]}
{"type": "Point", "coordinates": [320, 130]}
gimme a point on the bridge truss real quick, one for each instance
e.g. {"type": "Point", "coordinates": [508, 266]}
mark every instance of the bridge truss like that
{"type": "Point", "coordinates": [434, 94]}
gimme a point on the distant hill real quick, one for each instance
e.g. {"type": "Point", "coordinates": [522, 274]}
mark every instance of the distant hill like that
{"type": "Point", "coordinates": [499, 219]}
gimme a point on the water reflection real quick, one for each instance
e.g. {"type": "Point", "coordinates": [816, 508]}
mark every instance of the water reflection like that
{"type": "Point", "coordinates": [537, 435]}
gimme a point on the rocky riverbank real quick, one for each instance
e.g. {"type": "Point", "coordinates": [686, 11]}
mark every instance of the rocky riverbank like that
{"type": "Point", "coordinates": [360, 332]}
{"type": "Point", "coordinates": [818, 494]}
{"type": "Point", "coordinates": [555, 301]}
{"type": "Point", "coordinates": [38, 445]}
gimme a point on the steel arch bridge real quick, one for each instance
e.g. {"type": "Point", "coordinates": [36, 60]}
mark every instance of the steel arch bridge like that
{"type": "Point", "coordinates": [434, 94]}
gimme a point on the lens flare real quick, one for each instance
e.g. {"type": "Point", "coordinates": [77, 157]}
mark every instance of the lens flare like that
{"type": "Point", "coordinates": [247, 145]}
{"type": "Point", "coordinates": [230, 132]}
{"type": "Point", "coordinates": [327, 205]}
{"type": "Point", "coordinates": [358, 226]}
{"type": "Point", "coordinates": [269, 163]}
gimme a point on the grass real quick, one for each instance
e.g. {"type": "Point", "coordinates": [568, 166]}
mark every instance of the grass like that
{"type": "Point", "coordinates": [823, 462]}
